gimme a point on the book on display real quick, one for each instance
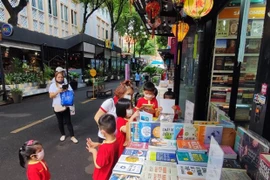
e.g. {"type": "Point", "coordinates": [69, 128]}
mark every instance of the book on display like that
{"type": "Point", "coordinates": [135, 152]}
{"type": "Point", "coordinates": [161, 156]}
{"type": "Point", "coordinates": [191, 172]}
{"type": "Point", "coordinates": [192, 159]}
{"type": "Point", "coordinates": [126, 168]}
{"type": "Point", "coordinates": [131, 159]}
{"type": "Point", "coordinates": [162, 144]}
{"type": "Point", "coordinates": [190, 145]}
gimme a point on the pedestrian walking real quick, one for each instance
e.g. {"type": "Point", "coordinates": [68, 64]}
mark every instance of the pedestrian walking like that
{"type": "Point", "coordinates": [137, 78]}
{"type": "Point", "coordinates": [31, 156]}
{"type": "Point", "coordinates": [62, 113]}
{"type": "Point", "coordinates": [124, 90]}
{"type": "Point", "coordinates": [60, 69]}
{"type": "Point", "coordinates": [106, 156]}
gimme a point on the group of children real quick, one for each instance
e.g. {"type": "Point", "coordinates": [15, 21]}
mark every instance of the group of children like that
{"type": "Point", "coordinates": [114, 131]}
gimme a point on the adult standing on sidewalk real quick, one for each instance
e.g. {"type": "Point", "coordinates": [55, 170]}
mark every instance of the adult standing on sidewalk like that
{"type": "Point", "coordinates": [137, 78]}
{"type": "Point", "coordinates": [124, 90]}
{"type": "Point", "coordinates": [62, 113]}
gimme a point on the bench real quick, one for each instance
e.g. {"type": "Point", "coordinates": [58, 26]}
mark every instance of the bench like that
{"type": "Point", "coordinates": [104, 93]}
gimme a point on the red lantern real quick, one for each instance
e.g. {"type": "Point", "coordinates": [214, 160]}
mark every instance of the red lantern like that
{"type": "Point", "coordinates": [152, 9]}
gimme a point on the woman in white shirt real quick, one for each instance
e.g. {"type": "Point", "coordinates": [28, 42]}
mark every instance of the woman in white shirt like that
{"type": "Point", "coordinates": [63, 113]}
{"type": "Point", "coordinates": [124, 90]}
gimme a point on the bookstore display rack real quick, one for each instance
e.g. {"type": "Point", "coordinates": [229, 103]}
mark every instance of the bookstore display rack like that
{"type": "Point", "coordinates": [224, 58]}
{"type": "Point", "coordinates": [202, 150]}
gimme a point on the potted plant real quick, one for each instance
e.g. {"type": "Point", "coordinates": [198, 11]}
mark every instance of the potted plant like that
{"type": "Point", "coordinates": [74, 80]}
{"type": "Point", "coordinates": [16, 94]}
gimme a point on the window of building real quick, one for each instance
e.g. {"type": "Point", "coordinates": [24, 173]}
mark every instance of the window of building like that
{"type": "Point", "coordinates": [73, 17]}
{"type": "Point", "coordinates": [37, 4]}
{"type": "Point", "coordinates": [103, 33]}
{"type": "Point", "coordinates": [64, 12]}
{"type": "Point", "coordinates": [107, 34]}
{"type": "Point", "coordinates": [98, 31]}
{"type": "Point", "coordinates": [52, 7]}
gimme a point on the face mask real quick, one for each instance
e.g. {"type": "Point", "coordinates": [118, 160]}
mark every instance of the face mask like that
{"type": "Point", "coordinates": [127, 97]}
{"type": "Point", "coordinates": [148, 96]}
{"type": "Point", "coordinates": [40, 155]}
{"type": "Point", "coordinates": [60, 82]}
{"type": "Point", "coordinates": [129, 112]}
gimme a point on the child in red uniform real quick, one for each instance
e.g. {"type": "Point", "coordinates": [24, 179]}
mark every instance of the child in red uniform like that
{"type": "Point", "coordinates": [149, 102]}
{"type": "Point", "coordinates": [106, 156]}
{"type": "Point", "coordinates": [32, 153]}
{"type": "Point", "coordinates": [177, 110]}
{"type": "Point", "coordinates": [124, 113]}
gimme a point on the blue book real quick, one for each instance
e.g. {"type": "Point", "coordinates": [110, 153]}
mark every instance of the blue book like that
{"type": "Point", "coordinates": [135, 152]}
{"type": "Point", "coordinates": [145, 131]}
{"type": "Point", "coordinates": [215, 131]}
{"type": "Point", "coordinates": [192, 159]}
{"type": "Point", "coordinates": [161, 156]}
{"type": "Point", "coordinates": [239, 134]}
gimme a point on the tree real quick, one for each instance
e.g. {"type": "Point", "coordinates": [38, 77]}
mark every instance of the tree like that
{"type": "Point", "coordinates": [14, 11]}
{"type": "Point", "coordinates": [90, 6]}
{"type": "Point", "coordinates": [162, 42]}
{"type": "Point", "coordinates": [146, 47]}
{"type": "Point", "coordinates": [115, 8]}
{"type": "Point", "coordinates": [141, 44]}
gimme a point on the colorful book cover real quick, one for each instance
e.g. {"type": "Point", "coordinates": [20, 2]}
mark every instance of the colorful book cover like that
{"type": "Point", "coordinates": [264, 167]}
{"type": "Point", "coordinates": [144, 116]}
{"type": "Point", "coordinates": [171, 131]}
{"type": "Point", "coordinates": [161, 156]}
{"type": "Point", "coordinates": [190, 145]}
{"type": "Point", "coordinates": [253, 46]}
{"type": "Point", "coordinates": [231, 163]}
{"type": "Point", "coordinates": [201, 133]}
{"type": "Point", "coordinates": [189, 132]}
{"type": "Point", "coordinates": [158, 176]}
{"type": "Point", "coordinates": [206, 122]}
{"type": "Point", "coordinates": [135, 152]}
{"type": "Point", "coordinates": [250, 148]}
{"type": "Point", "coordinates": [118, 176]}
{"type": "Point", "coordinates": [221, 45]}
{"type": "Point", "coordinates": [137, 145]}
{"type": "Point", "coordinates": [233, 28]}
{"type": "Point", "coordinates": [131, 159]}
{"type": "Point", "coordinates": [239, 133]}
{"type": "Point", "coordinates": [256, 28]}
{"type": "Point", "coordinates": [134, 131]}
{"type": "Point", "coordinates": [193, 159]}
{"type": "Point", "coordinates": [228, 151]}
{"type": "Point", "coordinates": [191, 172]}
{"type": "Point", "coordinates": [126, 168]}
{"type": "Point", "coordinates": [222, 28]}
{"type": "Point", "coordinates": [162, 144]}
{"type": "Point", "coordinates": [155, 130]}
{"type": "Point", "coordinates": [228, 137]}
{"type": "Point", "coordinates": [145, 131]}
{"type": "Point", "coordinates": [215, 131]}
{"type": "Point", "coordinates": [219, 63]}
{"type": "Point", "coordinates": [235, 174]}
{"type": "Point", "coordinates": [160, 167]}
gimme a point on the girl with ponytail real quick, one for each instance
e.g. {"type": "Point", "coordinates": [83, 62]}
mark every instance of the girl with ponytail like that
{"type": "Point", "coordinates": [31, 156]}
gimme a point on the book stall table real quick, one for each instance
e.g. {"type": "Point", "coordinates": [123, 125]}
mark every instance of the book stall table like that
{"type": "Point", "coordinates": [202, 150]}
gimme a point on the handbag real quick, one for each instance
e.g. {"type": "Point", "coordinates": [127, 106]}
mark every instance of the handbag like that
{"type": "Point", "coordinates": [59, 108]}
{"type": "Point", "coordinates": [72, 110]}
{"type": "Point", "coordinates": [67, 98]}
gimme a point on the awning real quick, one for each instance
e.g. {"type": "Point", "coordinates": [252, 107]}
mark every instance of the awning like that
{"type": "Point", "coordinates": [20, 45]}
{"type": "Point", "coordinates": [89, 55]}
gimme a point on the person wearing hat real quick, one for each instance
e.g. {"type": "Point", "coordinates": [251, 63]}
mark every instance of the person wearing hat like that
{"type": "Point", "coordinates": [60, 69]}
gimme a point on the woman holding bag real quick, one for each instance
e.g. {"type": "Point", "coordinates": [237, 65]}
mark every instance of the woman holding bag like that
{"type": "Point", "coordinates": [62, 112]}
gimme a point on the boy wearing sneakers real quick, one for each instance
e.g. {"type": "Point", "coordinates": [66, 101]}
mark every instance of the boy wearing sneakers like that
{"type": "Point", "coordinates": [106, 156]}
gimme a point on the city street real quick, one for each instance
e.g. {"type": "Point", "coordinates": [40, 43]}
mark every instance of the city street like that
{"type": "Point", "coordinates": [34, 119]}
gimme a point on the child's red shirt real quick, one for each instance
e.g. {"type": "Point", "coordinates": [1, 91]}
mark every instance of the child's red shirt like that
{"type": "Point", "coordinates": [143, 101]}
{"type": "Point", "coordinates": [178, 109]}
{"type": "Point", "coordinates": [38, 171]}
{"type": "Point", "coordinates": [120, 135]}
{"type": "Point", "coordinates": [107, 157]}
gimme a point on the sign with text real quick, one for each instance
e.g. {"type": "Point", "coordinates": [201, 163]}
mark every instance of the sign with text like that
{"type": "Point", "coordinates": [109, 44]}
{"type": "Point", "coordinates": [7, 29]}
{"type": "Point", "coordinates": [234, 12]}
{"type": "Point", "coordinates": [189, 112]}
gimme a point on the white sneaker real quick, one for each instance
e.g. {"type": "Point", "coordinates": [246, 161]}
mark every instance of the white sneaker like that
{"type": "Point", "coordinates": [74, 140]}
{"type": "Point", "coordinates": [62, 138]}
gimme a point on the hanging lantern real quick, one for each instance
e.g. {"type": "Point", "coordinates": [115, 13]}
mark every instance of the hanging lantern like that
{"type": "Point", "coordinates": [182, 30]}
{"type": "Point", "coordinates": [178, 3]}
{"type": "Point", "coordinates": [198, 8]}
{"type": "Point", "coordinates": [154, 25]}
{"type": "Point", "coordinates": [152, 9]}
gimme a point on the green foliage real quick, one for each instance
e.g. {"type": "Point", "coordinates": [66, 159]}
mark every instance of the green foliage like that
{"type": "Point", "coordinates": [73, 75]}
{"type": "Point", "coordinates": [48, 72]}
{"type": "Point", "coordinates": [20, 78]}
{"type": "Point", "coordinates": [146, 47]}
{"type": "Point", "coordinates": [152, 70]}
{"type": "Point", "coordinates": [16, 90]}
{"type": "Point", "coordinates": [162, 42]}
{"type": "Point", "coordinates": [17, 65]}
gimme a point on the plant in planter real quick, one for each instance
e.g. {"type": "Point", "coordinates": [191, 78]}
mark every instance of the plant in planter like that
{"type": "Point", "coordinates": [45, 75]}
{"type": "Point", "coordinates": [16, 94]}
{"type": "Point", "coordinates": [74, 80]}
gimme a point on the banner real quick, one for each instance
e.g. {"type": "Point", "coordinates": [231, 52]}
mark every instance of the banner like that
{"type": "Point", "coordinates": [127, 72]}
{"type": "Point", "coordinates": [234, 12]}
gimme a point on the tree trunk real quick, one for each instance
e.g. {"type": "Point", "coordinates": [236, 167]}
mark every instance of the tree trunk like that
{"type": "Point", "coordinates": [128, 46]}
{"type": "Point", "coordinates": [13, 20]}
{"type": "Point", "coordinates": [112, 33]}
{"type": "Point", "coordinates": [83, 27]}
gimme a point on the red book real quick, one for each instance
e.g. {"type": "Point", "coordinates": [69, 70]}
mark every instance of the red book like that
{"type": "Point", "coordinates": [137, 145]}
{"type": "Point", "coordinates": [264, 167]}
{"type": "Point", "coordinates": [190, 145]}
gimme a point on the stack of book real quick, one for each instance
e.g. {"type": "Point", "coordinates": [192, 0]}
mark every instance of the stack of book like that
{"type": "Point", "coordinates": [180, 151]}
